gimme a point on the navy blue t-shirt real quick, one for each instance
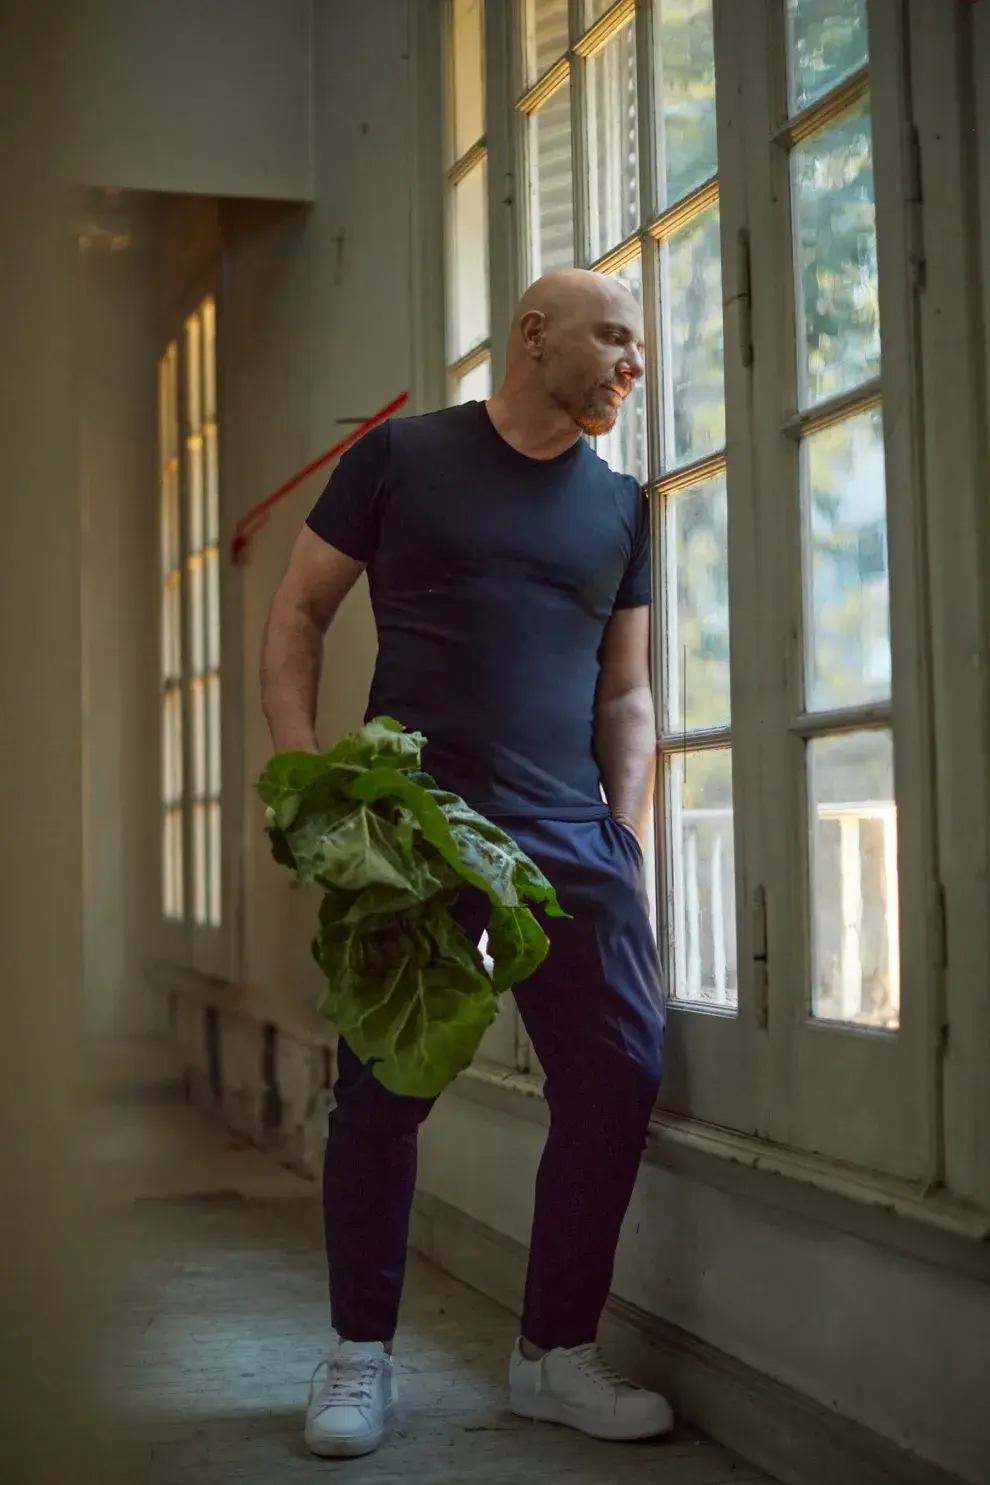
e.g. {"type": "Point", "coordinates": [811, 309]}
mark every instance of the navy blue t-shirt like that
{"type": "Point", "coordinates": [493, 576]}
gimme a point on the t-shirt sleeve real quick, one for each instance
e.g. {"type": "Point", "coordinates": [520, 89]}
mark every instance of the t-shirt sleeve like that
{"type": "Point", "coordinates": [636, 588]}
{"type": "Point", "coordinates": [347, 514]}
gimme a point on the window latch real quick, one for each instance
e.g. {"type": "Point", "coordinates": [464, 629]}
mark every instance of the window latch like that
{"type": "Point", "coordinates": [744, 299]}
{"type": "Point", "coordinates": [760, 980]}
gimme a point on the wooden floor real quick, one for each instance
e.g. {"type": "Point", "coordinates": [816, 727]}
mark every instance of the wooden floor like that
{"type": "Point", "coordinates": [223, 1294]}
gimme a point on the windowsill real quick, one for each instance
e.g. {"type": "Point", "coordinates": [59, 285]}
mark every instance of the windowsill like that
{"type": "Point", "coordinates": [934, 1227]}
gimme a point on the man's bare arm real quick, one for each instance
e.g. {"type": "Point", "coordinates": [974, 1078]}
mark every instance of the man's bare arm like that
{"type": "Point", "coordinates": [625, 722]}
{"type": "Point", "coordinates": [317, 580]}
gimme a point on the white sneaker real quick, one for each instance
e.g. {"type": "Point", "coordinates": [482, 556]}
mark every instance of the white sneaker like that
{"type": "Point", "coordinates": [347, 1416]}
{"type": "Point", "coordinates": [579, 1389]}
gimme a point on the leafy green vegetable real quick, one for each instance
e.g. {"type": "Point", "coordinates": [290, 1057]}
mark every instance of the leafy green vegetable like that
{"type": "Point", "coordinates": [391, 853]}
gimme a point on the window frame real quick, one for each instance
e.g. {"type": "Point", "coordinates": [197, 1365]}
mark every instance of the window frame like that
{"type": "Point", "coordinates": [890, 1075]}
{"type": "Point", "coordinates": [714, 1060]}
{"type": "Point", "coordinates": [457, 169]}
{"type": "Point", "coordinates": [765, 1071]}
{"type": "Point", "coordinates": [206, 946]}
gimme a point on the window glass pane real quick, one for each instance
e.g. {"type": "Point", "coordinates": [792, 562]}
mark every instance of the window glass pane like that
{"type": "Point", "coordinates": [200, 863]}
{"type": "Point", "coordinates": [215, 913]}
{"type": "Point", "coordinates": [197, 705]}
{"type": "Point", "coordinates": [624, 449]}
{"type": "Point", "coordinates": [194, 471]}
{"type": "Point", "coordinates": [165, 524]}
{"type": "Point", "coordinates": [847, 624]}
{"type": "Point", "coordinates": [826, 41]}
{"type": "Point", "coordinates": [545, 36]}
{"type": "Point", "coordinates": [173, 712]}
{"type": "Point", "coordinates": [213, 720]}
{"type": "Point", "coordinates": [696, 608]}
{"type": "Point", "coordinates": [212, 486]}
{"type": "Point", "coordinates": [193, 374]}
{"type": "Point", "coordinates": [552, 196]}
{"type": "Point", "coordinates": [685, 84]}
{"type": "Point", "coordinates": [838, 317]}
{"type": "Point", "coordinates": [170, 519]}
{"type": "Point", "coordinates": [209, 359]}
{"type": "Point", "coordinates": [476, 384]}
{"type": "Point", "coordinates": [469, 249]}
{"type": "Point", "coordinates": [168, 754]}
{"type": "Point", "coordinates": [171, 743]}
{"type": "Point", "coordinates": [691, 341]}
{"type": "Point", "coordinates": [197, 616]}
{"type": "Point", "coordinates": [856, 935]}
{"type": "Point", "coordinates": [612, 145]}
{"type": "Point", "coordinates": [701, 911]}
{"type": "Point", "coordinates": [593, 10]}
{"type": "Point", "coordinates": [212, 618]}
{"type": "Point", "coordinates": [166, 634]}
{"type": "Point", "coordinates": [468, 74]}
{"type": "Point", "coordinates": [172, 875]}
{"type": "Point", "coordinates": [173, 625]}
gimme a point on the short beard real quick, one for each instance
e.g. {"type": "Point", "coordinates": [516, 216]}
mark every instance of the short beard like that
{"type": "Point", "coordinates": [595, 423]}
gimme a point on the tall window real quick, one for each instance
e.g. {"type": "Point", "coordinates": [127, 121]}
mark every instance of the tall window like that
{"type": "Point", "coordinates": [172, 731]}
{"type": "Point", "coordinates": [642, 204]}
{"type": "Point", "coordinates": [750, 172]}
{"type": "Point", "coordinates": [192, 871]}
{"type": "Point", "coordinates": [843, 713]}
{"type": "Point", "coordinates": [468, 319]}
{"type": "Point", "coordinates": [850, 977]}
{"type": "Point", "coordinates": [547, 109]}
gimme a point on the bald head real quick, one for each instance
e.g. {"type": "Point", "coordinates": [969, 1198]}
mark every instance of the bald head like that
{"type": "Point", "coordinates": [577, 341]}
{"type": "Point", "coordinates": [574, 290]}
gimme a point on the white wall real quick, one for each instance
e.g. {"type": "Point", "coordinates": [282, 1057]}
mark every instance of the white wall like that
{"type": "Point", "coordinates": [898, 1345]}
{"type": "Point", "coordinates": [205, 96]}
{"type": "Point", "coordinates": [317, 326]}
{"type": "Point", "coordinates": [117, 359]}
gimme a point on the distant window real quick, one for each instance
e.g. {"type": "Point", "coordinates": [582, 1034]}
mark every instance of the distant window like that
{"type": "Point", "coordinates": [189, 495]}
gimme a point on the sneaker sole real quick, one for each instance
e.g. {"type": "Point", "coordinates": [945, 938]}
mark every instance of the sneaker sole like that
{"type": "Point", "coordinates": [344, 1448]}
{"type": "Point", "coordinates": [549, 1411]}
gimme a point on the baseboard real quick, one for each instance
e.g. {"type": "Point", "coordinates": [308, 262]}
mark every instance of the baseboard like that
{"type": "Point", "coordinates": [793, 1438]}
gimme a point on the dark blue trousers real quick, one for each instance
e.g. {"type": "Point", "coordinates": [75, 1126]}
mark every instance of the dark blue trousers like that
{"type": "Point", "coordinates": [595, 1014]}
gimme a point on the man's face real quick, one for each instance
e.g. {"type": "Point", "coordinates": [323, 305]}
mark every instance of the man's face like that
{"type": "Point", "coordinates": [593, 356]}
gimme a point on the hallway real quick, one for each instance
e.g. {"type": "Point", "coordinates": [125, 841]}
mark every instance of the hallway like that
{"type": "Point", "coordinates": [223, 1291]}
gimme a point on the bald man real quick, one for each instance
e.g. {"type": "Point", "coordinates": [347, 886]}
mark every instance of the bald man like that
{"type": "Point", "coordinates": [509, 570]}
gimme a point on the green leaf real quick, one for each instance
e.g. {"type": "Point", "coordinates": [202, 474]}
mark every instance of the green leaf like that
{"type": "Point", "coordinates": [285, 782]}
{"type": "Point", "coordinates": [392, 853]}
{"type": "Point", "coordinates": [382, 743]}
{"type": "Point", "coordinates": [352, 847]}
{"type": "Point", "coordinates": [493, 855]}
{"type": "Point", "coordinates": [517, 945]}
{"type": "Point", "coordinates": [413, 1000]}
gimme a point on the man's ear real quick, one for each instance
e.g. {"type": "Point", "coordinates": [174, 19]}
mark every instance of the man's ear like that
{"type": "Point", "coordinates": [532, 328]}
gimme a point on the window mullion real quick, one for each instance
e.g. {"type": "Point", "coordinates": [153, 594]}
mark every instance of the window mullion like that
{"type": "Point", "coordinates": [506, 196]}
{"type": "Point", "coordinates": [763, 477]}
{"type": "Point", "coordinates": [647, 104]}
{"type": "Point", "coordinates": [716, 1064]}
{"type": "Point", "coordinates": [579, 142]}
{"type": "Point", "coordinates": [955, 559]}
{"type": "Point", "coordinates": [880, 1120]}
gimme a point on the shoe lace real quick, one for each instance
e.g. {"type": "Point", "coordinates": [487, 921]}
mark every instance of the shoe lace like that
{"type": "Point", "coordinates": [590, 1361]}
{"type": "Point", "coordinates": [349, 1381]}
